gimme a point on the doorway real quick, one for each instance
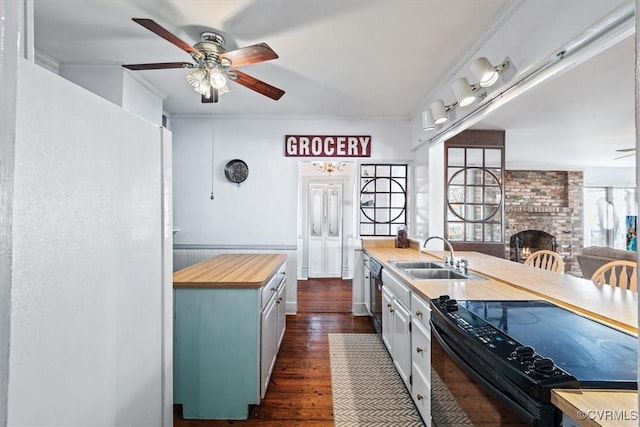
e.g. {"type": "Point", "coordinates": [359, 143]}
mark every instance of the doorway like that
{"type": "Point", "coordinates": [325, 229]}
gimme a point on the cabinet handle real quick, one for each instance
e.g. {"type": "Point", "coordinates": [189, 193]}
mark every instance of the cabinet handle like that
{"type": "Point", "coordinates": [388, 305]}
{"type": "Point", "coordinates": [278, 302]}
{"type": "Point", "coordinates": [419, 397]}
{"type": "Point", "coordinates": [273, 289]}
{"type": "Point", "coordinates": [419, 349]}
{"type": "Point", "coordinates": [391, 310]}
{"type": "Point", "coordinates": [418, 313]}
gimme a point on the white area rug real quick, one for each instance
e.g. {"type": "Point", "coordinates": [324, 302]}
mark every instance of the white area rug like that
{"type": "Point", "coordinates": [367, 390]}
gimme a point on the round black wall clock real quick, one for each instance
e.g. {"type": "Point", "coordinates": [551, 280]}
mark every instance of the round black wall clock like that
{"type": "Point", "coordinates": [236, 171]}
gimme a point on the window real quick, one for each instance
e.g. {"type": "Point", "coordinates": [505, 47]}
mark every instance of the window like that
{"type": "Point", "coordinates": [605, 215]}
{"type": "Point", "coordinates": [474, 188]}
{"type": "Point", "coordinates": [383, 198]}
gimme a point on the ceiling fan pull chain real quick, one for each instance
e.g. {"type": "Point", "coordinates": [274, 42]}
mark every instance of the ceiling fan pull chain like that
{"type": "Point", "coordinates": [213, 129]}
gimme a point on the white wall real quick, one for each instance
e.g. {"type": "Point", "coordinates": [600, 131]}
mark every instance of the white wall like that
{"type": "Point", "coordinates": [103, 81]}
{"type": "Point", "coordinates": [610, 177]}
{"type": "Point", "coordinates": [119, 86]}
{"type": "Point", "coordinates": [140, 98]}
{"type": "Point", "coordinates": [263, 210]}
{"type": "Point", "coordinates": [87, 298]}
{"type": "Point", "coordinates": [11, 34]}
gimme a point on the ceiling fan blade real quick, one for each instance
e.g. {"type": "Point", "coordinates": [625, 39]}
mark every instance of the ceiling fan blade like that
{"type": "Point", "coordinates": [623, 150]}
{"type": "Point", "coordinates": [250, 55]}
{"type": "Point", "coordinates": [625, 156]}
{"type": "Point", "coordinates": [155, 28]}
{"type": "Point", "coordinates": [257, 85]}
{"type": "Point", "coordinates": [158, 65]}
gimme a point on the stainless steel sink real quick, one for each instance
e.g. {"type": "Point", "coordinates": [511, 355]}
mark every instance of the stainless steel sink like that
{"type": "Point", "coordinates": [417, 264]}
{"type": "Point", "coordinates": [440, 274]}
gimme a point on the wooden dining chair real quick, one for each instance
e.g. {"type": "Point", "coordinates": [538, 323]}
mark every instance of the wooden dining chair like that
{"type": "Point", "coordinates": [547, 260]}
{"type": "Point", "coordinates": [623, 274]}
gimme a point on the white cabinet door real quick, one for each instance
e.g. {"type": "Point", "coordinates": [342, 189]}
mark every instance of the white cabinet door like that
{"type": "Point", "coordinates": [401, 341]}
{"type": "Point", "coordinates": [281, 309]}
{"type": "Point", "coordinates": [387, 318]}
{"type": "Point", "coordinates": [421, 357]}
{"type": "Point", "coordinates": [268, 340]}
{"type": "Point", "coordinates": [421, 394]}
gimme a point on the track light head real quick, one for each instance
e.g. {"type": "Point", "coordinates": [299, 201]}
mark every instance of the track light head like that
{"type": "Point", "coordinates": [439, 112]}
{"type": "Point", "coordinates": [463, 91]}
{"type": "Point", "coordinates": [486, 74]}
{"type": "Point", "coordinates": [427, 120]}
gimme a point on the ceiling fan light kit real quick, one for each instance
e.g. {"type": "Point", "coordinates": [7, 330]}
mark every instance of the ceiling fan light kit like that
{"type": "Point", "coordinates": [464, 92]}
{"type": "Point", "coordinates": [211, 69]}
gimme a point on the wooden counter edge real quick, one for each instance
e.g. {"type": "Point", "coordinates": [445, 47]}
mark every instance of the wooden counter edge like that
{"type": "Point", "coordinates": [592, 407]}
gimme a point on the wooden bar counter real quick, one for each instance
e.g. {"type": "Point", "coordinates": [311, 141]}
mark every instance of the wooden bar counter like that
{"type": "Point", "coordinates": [509, 280]}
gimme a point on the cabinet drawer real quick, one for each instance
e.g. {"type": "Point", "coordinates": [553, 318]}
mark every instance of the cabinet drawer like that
{"type": "Point", "coordinates": [420, 311]}
{"type": "Point", "coordinates": [421, 394]}
{"type": "Point", "coordinates": [271, 288]}
{"type": "Point", "coordinates": [421, 347]}
{"type": "Point", "coordinates": [399, 289]}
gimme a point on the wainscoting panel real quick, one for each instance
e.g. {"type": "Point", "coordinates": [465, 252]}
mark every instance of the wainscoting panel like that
{"type": "Point", "coordinates": [185, 255]}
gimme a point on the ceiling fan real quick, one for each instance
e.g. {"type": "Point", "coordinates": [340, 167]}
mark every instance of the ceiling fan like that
{"type": "Point", "coordinates": [626, 150]}
{"type": "Point", "coordinates": [213, 66]}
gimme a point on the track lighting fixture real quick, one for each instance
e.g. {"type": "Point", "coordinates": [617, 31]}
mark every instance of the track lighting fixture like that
{"type": "Point", "coordinates": [463, 91]}
{"type": "Point", "coordinates": [486, 74]}
{"type": "Point", "coordinates": [427, 120]}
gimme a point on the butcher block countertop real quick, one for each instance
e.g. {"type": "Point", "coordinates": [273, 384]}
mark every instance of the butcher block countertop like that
{"type": "Point", "coordinates": [230, 271]}
{"type": "Point", "coordinates": [513, 281]}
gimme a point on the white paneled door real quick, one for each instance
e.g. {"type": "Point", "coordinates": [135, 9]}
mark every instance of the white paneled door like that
{"type": "Point", "coordinates": [325, 230]}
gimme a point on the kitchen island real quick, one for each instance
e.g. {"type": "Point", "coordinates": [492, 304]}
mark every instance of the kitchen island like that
{"type": "Point", "coordinates": [514, 281]}
{"type": "Point", "coordinates": [229, 322]}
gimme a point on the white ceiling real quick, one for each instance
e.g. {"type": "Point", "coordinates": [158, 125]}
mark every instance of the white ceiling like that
{"type": "Point", "coordinates": [353, 59]}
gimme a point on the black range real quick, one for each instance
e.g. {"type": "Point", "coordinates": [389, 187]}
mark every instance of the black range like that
{"type": "Point", "coordinates": [520, 350]}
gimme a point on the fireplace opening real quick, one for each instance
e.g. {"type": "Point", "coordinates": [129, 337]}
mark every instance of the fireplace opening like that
{"type": "Point", "coordinates": [524, 243]}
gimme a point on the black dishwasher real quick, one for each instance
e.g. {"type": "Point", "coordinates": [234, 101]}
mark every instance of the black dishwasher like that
{"type": "Point", "coordinates": [376, 294]}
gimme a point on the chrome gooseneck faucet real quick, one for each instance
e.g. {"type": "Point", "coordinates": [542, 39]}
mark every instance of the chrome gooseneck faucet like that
{"type": "Point", "coordinates": [452, 259]}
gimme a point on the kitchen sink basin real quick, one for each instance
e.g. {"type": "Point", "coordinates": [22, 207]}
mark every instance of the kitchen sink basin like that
{"type": "Point", "coordinates": [417, 264]}
{"type": "Point", "coordinates": [440, 274]}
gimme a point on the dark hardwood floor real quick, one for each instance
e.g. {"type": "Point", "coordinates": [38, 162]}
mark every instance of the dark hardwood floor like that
{"type": "Point", "coordinates": [300, 390]}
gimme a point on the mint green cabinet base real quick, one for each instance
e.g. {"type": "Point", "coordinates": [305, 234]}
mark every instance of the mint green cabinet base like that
{"type": "Point", "coordinates": [216, 352]}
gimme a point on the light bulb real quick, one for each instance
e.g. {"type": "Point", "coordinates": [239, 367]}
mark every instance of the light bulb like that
{"type": "Point", "coordinates": [204, 87]}
{"type": "Point", "coordinates": [217, 79]}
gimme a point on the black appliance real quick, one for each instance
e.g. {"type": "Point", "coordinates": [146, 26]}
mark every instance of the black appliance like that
{"type": "Point", "coordinates": [520, 350]}
{"type": "Point", "coordinates": [375, 282]}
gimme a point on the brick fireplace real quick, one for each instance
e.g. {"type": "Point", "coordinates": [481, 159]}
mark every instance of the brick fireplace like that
{"type": "Point", "coordinates": [549, 201]}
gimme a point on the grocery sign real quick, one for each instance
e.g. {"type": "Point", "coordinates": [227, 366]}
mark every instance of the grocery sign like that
{"type": "Point", "coordinates": [327, 146]}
